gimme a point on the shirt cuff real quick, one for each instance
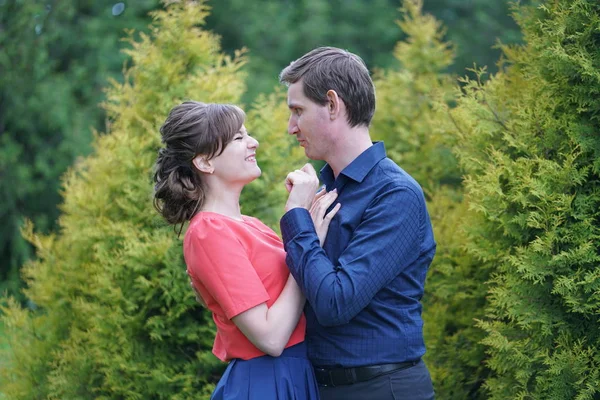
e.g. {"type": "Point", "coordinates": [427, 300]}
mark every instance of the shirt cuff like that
{"type": "Point", "coordinates": [294, 222]}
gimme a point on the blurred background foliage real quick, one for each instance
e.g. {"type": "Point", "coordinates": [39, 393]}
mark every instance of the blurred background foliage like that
{"type": "Point", "coordinates": [508, 161]}
{"type": "Point", "coordinates": [277, 32]}
{"type": "Point", "coordinates": [57, 56]}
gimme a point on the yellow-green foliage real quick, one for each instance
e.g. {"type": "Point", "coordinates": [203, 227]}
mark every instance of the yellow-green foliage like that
{"type": "Point", "coordinates": [412, 118]}
{"type": "Point", "coordinates": [115, 316]}
{"type": "Point", "coordinates": [406, 118]}
{"type": "Point", "coordinates": [530, 148]}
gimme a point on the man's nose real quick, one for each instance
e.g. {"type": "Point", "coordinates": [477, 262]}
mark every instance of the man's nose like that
{"type": "Point", "coordinates": [292, 126]}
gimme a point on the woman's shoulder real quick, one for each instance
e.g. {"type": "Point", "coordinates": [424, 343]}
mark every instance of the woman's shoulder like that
{"type": "Point", "coordinates": [210, 226]}
{"type": "Point", "coordinates": [252, 220]}
{"type": "Point", "coordinates": [206, 222]}
{"type": "Point", "coordinates": [264, 229]}
{"type": "Point", "coordinates": [257, 223]}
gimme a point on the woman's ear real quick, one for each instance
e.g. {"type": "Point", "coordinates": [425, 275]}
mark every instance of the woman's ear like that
{"type": "Point", "coordinates": [203, 164]}
{"type": "Point", "coordinates": [333, 104]}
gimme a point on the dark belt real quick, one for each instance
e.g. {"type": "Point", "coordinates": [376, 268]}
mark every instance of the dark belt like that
{"type": "Point", "coordinates": [348, 376]}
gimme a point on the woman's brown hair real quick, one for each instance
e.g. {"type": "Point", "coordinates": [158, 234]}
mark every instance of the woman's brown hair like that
{"type": "Point", "coordinates": [191, 128]}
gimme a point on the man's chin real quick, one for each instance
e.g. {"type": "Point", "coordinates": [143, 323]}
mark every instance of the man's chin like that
{"type": "Point", "coordinates": [311, 155]}
{"type": "Point", "coordinates": [307, 153]}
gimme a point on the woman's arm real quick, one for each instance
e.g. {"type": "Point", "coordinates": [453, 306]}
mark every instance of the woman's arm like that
{"type": "Point", "coordinates": [269, 329]}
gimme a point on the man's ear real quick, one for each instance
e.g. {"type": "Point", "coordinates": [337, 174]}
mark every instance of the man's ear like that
{"type": "Point", "coordinates": [333, 104]}
{"type": "Point", "coordinates": [203, 164]}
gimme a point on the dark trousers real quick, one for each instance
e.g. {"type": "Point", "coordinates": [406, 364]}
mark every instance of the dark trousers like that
{"type": "Point", "coordinates": [412, 383]}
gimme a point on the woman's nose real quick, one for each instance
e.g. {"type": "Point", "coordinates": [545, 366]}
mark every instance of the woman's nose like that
{"type": "Point", "coordinates": [253, 143]}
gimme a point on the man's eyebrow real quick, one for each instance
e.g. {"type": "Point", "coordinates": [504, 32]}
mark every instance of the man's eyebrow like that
{"type": "Point", "coordinates": [294, 105]}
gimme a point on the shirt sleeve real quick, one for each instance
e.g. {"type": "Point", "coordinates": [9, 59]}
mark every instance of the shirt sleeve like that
{"type": "Point", "coordinates": [386, 241]}
{"type": "Point", "coordinates": [217, 258]}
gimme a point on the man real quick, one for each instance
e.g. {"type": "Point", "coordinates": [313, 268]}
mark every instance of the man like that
{"type": "Point", "coordinates": [364, 286]}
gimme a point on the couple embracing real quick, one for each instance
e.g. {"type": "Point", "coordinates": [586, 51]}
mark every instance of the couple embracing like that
{"type": "Point", "coordinates": [332, 310]}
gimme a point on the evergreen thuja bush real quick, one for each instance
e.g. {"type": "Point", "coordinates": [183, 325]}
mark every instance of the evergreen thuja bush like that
{"type": "Point", "coordinates": [407, 118]}
{"type": "Point", "coordinates": [530, 147]}
{"type": "Point", "coordinates": [115, 317]}
{"type": "Point", "coordinates": [412, 118]}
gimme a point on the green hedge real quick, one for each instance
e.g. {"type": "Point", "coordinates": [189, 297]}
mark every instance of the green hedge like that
{"type": "Point", "coordinates": [530, 148]}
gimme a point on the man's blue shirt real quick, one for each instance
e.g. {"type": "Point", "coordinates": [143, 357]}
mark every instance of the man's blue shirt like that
{"type": "Point", "coordinates": [365, 285]}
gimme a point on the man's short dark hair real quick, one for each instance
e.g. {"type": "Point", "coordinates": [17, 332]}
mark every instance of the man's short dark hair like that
{"type": "Point", "coordinates": [330, 68]}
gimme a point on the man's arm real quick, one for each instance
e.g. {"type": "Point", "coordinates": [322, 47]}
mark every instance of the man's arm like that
{"type": "Point", "coordinates": [386, 241]}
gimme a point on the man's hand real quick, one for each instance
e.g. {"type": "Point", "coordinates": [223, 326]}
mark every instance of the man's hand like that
{"type": "Point", "coordinates": [302, 185]}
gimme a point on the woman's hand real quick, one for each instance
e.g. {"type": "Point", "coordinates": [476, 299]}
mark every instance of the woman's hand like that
{"type": "Point", "coordinates": [319, 207]}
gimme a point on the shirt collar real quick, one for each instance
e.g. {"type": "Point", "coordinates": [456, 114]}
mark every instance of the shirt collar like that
{"type": "Point", "coordinates": [358, 169]}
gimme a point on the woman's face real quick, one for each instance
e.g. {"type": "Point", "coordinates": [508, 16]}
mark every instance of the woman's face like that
{"type": "Point", "coordinates": [237, 163]}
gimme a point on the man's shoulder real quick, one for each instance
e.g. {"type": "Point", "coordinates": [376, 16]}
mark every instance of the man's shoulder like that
{"type": "Point", "coordinates": [389, 174]}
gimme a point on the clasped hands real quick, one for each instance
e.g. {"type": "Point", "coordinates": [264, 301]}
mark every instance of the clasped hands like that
{"type": "Point", "coordinates": [302, 184]}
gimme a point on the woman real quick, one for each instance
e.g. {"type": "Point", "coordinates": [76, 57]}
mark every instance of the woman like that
{"type": "Point", "coordinates": [235, 262]}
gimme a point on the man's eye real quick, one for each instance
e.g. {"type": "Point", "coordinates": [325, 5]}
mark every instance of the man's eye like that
{"type": "Point", "coordinates": [297, 111]}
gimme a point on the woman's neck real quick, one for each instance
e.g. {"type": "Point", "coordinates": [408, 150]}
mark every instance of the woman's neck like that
{"type": "Point", "coordinates": [223, 200]}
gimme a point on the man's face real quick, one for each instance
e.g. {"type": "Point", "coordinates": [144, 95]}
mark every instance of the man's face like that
{"type": "Point", "coordinates": [309, 121]}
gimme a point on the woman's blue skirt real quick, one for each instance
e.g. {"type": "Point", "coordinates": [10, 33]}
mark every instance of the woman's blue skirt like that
{"type": "Point", "coordinates": [289, 376]}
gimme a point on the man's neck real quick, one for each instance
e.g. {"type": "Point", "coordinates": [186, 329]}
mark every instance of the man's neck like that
{"type": "Point", "coordinates": [348, 148]}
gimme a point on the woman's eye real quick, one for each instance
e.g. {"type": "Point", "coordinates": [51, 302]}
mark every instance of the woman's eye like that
{"type": "Point", "coordinates": [238, 138]}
